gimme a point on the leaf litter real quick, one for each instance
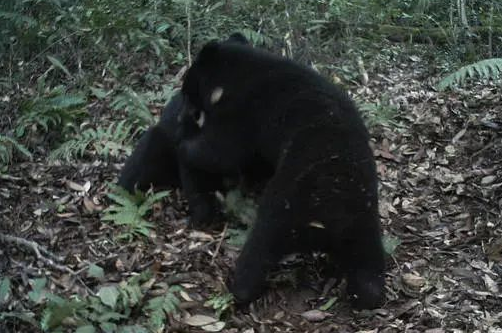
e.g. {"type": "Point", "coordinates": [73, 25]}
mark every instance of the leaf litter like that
{"type": "Point", "coordinates": [440, 169]}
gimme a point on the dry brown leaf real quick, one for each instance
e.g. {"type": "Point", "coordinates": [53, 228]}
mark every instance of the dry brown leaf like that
{"type": "Point", "coordinates": [315, 315]}
{"type": "Point", "coordinates": [412, 280]}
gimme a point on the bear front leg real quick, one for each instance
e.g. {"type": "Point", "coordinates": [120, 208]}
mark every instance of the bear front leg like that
{"type": "Point", "coordinates": [364, 264]}
{"type": "Point", "coordinates": [199, 189]}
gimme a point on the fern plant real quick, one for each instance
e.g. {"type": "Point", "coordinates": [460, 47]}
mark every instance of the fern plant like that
{"type": "Point", "coordinates": [484, 69]}
{"type": "Point", "coordinates": [105, 141]}
{"type": "Point", "coordinates": [129, 211]}
{"type": "Point", "coordinates": [113, 307]}
{"type": "Point", "coordinates": [220, 303]}
{"type": "Point", "coordinates": [54, 110]}
{"type": "Point", "coordinates": [135, 105]}
{"type": "Point", "coordinates": [7, 147]}
{"type": "Point", "coordinates": [379, 113]}
{"type": "Point", "coordinates": [159, 307]}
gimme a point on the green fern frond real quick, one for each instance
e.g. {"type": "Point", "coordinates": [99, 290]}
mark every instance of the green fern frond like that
{"type": "Point", "coordinates": [135, 105]}
{"type": "Point", "coordinates": [484, 69]}
{"type": "Point", "coordinates": [105, 141]}
{"type": "Point", "coordinates": [48, 112]}
{"type": "Point", "coordinates": [129, 211]}
{"type": "Point", "coordinates": [56, 312]}
{"type": "Point", "coordinates": [158, 307]}
{"type": "Point", "coordinates": [7, 147]}
{"type": "Point", "coordinates": [66, 101]}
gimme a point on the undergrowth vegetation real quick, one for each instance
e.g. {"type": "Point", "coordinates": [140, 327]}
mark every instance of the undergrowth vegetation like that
{"type": "Point", "coordinates": [125, 307]}
{"type": "Point", "coordinates": [129, 211]}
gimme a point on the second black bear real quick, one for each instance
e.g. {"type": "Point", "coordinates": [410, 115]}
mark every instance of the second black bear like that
{"type": "Point", "coordinates": [255, 108]}
{"type": "Point", "coordinates": [154, 161]}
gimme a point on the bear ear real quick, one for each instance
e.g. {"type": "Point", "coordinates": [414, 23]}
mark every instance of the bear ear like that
{"type": "Point", "coordinates": [238, 38]}
{"type": "Point", "coordinates": [216, 95]}
{"type": "Point", "coordinates": [209, 52]}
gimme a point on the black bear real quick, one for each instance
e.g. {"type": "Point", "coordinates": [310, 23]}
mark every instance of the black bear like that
{"type": "Point", "coordinates": [154, 161]}
{"type": "Point", "coordinates": [255, 108]}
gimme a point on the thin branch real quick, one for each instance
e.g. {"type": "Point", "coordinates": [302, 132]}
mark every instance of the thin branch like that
{"type": "Point", "coordinates": [223, 234]}
{"type": "Point", "coordinates": [189, 31]}
{"type": "Point", "coordinates": [289, 35]}
{"type": "Point", "coordinates": [49, 258]}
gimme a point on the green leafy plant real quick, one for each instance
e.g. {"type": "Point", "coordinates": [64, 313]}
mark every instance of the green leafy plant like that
{"type": "Point", "coordinates": [53, 110]}
{"type": "Point", "coordinates": [158, 307]}
{"type": "Point", "coordinates": [390, 243]}
{"type": "Point", "coordinates": [7, 147]}
{"type": "Point", "coordinates": [38, 291]}
{"type": "Point", "coordinates": [379, 113]}
{"type": "Point", "coordinates": [237, 237]}
{"type": "Point", "coordinates": [129, 211]}
{"type": "Point", "coordinates": [105, 141]}
{"type": "Point", "coordinates": [5, 291]}
{"type": "Point", "coordinates": [135, 105]}
{"type": "Point", "coordinates": [111, 310]}
{"type": "Point", "coordinates": [220, 303]}
{"type": "Point", "coordinates": [237, 206]}
{"type": "Point", "coordinates": [484, 69]}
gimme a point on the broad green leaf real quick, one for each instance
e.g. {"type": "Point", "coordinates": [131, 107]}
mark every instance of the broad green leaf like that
{"type": "Point", "coordinates": [4, 290]}
{"type": "Point", "coordinates": [96, 271]}
{"type": "Point", "coordinates": [390, 243]}
{"type": "Point", "coordinates": [38, 287]}
{"type": "Point", "coordinates": [99, 93]}
{"type": "Point", "coordinates": [108, 327]}
{"type": "Point", "coordinates": [108, 295]}
{"type": "Point", "coordinates": [56, 63]}
{"type": "Point", "coordinates": [237, 237]}
{"type": "Point", "coordinates": [27, 317]}
{"type": "Point", "coordinates": [86, 329]}
{"type": "Point", "coordinates": [111, 315]}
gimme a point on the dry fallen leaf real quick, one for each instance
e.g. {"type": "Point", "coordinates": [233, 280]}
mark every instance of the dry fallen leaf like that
{"type": "Point", "coordinates": [491, 285]}
{"type": "Point", "coordinates": [488, 180]}
{"type": "Point", "coordinates": [199, 320]}
{"type": "Point", "coordinates": [195, 234]}
{"type": "Point", "coordinates": [90, 206]}
{"type": "Point", "coordinates": [214, 327]}
{"type": "Point", "coordinates": [77, 187]}
{"type": "Point", "coordinates": [412, 280]}
{"type": "Point", "coordinates": [207, 323]}
{"type": "Point", "coordinates": [315, 315]}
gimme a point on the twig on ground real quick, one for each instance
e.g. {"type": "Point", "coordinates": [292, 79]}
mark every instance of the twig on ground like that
{"type": "Point", "coordinates": [223, 234]}
{"type": "Point", "coordinates": [189, 276]}
{"type": "Point", "coordinates": [41, 253]}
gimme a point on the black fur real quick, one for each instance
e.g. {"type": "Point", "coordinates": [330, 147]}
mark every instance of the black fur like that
{"type": "Point", "coordinates": [261, 109]}
{"type": "Point", "coordinates": [154, 161]}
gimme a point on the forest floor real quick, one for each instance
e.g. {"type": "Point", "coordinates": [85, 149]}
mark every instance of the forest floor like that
{"type": "Point", "coordinates": [440, 168]}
